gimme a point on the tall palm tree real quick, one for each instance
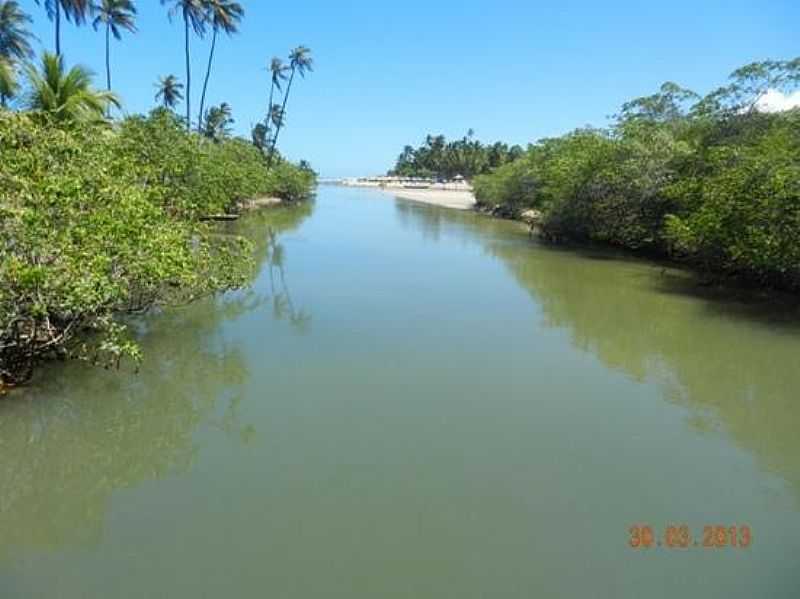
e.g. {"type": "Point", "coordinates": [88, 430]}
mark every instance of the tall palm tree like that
{"type": "Point", "coordinates": [66, 96]}
{"type": "Point", "coordinates": [15, 39]}
{"type": "Point", "coordinates": [76, 11]}
{"type": "Point", "coordinates": [114, 15]}
{"type": "Point", "coordinates": [278, 70]}
{"type": "Point", "coordinates": [193, 13]}
{"type": "Point", "coordinates": [8, 81]}
{"type": "Point", "coordinates": [169, 91]}
{"type": "Point", "coordinates": [225, 16]}
{"type": "Point", "coordinates": [300, 61]}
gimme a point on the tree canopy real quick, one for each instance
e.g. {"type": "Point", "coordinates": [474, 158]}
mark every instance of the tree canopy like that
{"type": "Point", "coordinates": [712, 180]}
{"type": "Point", "coordinates": [466, 157]}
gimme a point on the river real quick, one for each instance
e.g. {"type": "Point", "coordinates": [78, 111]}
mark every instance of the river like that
{"type": "Point", "coordinates": [417, 402]}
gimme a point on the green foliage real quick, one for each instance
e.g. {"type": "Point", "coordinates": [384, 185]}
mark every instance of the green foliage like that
{"type": "Point", "coordinates": [116, 15]}
{"type": "Point", "coordinates": [466, 157]}
{"type": "Point", "coordinates": [511, 185]}
{"type": "Point", "coordinates": [717, 183]}
{"type": "Point", "coordinates": [74, 10]}
{"type": "Point", "coordinates": [8, 81]}
{"type": "Point", "coordinates": [218, 122]}
{"type": "Point", "coordinates": [66, 95]}
{"type": "Point", "coordinates": [739, 205]}
{"type": "Point", "coordinates": [15, 39]}
{"type": "Point", "coordinates": [260, 137]}
{"type": "Point", "coordinates": [169, 91]}
{"type": "Point", "coordinates": [97, 223]}
{"type": "Point", "coordinates": [290, 183]}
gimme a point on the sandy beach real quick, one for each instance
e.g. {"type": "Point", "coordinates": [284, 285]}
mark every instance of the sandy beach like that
{"type": "Point", "coordinates": [460, 200]}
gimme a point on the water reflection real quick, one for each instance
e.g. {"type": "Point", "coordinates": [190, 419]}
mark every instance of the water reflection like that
{"type": "Point", "coordinates": [745, 386]}
{"type": "Point", "coordinates": [730, 357]}
{"type": "Point", "coordinates": [427, 221]}
{"type": "Point", "coordinates": [283, 307]}
{"type": "Point", "coordinates": [68, 442]}
{"type": "Point", "coordinates": [265, 229]}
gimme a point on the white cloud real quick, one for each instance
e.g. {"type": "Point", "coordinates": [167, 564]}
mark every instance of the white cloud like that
{"type": "Point", "coordinates": [776, 101]}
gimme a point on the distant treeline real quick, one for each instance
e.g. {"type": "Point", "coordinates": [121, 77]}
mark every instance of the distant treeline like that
{"type": "Point", "coordinates": [713, 180]}
{"type": "Point", "coordinates": [467, 157]}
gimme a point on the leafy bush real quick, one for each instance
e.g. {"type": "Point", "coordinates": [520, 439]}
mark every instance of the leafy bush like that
{"type": "Point", "coordinates": [96, 223]}
{"type": "Point", "coordinates": [290, 183]}
{"type": "Point", "coordinates": [740, 204]}
{"type": "Point", "coordinates": [512, 185]}
{"type": "Point", "coordinates": [717, 183]}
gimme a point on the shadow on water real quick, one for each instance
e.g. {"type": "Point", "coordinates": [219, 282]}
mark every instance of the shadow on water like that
{"type": "Point", "coordinates": [727, 355]}
{"type": "Point", "coordinates": [80, 433]}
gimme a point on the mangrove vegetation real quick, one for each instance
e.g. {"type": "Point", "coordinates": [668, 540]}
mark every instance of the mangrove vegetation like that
{"type": "Point", "coordinates": [102, 218]}
{"type": "Point", "coordinates": [714, 180]}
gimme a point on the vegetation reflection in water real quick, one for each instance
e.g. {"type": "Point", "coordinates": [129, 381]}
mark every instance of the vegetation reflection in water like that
{"type": "Point", "coordinates": [655, 322]}
{"type": "Point", "coordinates": [136, 428]}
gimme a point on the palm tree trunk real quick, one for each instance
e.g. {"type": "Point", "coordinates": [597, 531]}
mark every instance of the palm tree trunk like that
{"type": "Point", "coordinates": [188, 79]}
{"type": "Point", "coordinates": [108, 57]}
{"type": "Point", "coordinates": [280, 123]}
{"type": "Point", "coordinates": [267, 120]}
{"type": "Point", "coordinates": [208, 76]}
{"type": "Point", "coordinates": [108, 63]}
{"type": "Point", "coordinates": [58, 27]}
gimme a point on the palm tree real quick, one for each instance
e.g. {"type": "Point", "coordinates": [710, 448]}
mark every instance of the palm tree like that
{"type": "Point", "coordinates": [114, 15]}
{"type": "Point", "coordinates": [218, 121]}
{"type": "Point", "coordinates": [8, 81]}
{"type": "Point", "coordinates": [276, 116]}
{"type": "Point", "coordinates": [278, 70]}
{"type": "Point", "coordinates": [74, 10]}
{"type": "Point", "coordinates": [15, 39]}
{"type": "Point", "coordinates": [223, 15]}
{"type": "Point", "coordinates": [260, 136]}
{"type": "Point", "coordinates": [15, 46]}
{"type": "Point", "coordinates": [300, 61]}
{"type": "Point", "coordinates": [66, 96]}
{"type": "Point", "coordinates": [193, 13]}
{"type": "Point", "coordinates": [169, 91]}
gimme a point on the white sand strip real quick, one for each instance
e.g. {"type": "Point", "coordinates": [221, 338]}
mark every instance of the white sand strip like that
{"type": "Point", "coordinates": [460, 200]}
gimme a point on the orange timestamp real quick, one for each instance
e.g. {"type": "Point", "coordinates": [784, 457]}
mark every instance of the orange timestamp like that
{"type": "Point", "coordinates": [680, 536]}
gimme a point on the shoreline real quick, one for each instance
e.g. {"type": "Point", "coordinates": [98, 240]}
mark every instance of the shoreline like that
{"type": "Point", "coordinates": [444, 198]}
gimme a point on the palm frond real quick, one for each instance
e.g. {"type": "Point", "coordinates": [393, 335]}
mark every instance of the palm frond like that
{"type": "Point", "coordinates": [67, 96]}
{"type": "Point", "coordinates": [15, 39]}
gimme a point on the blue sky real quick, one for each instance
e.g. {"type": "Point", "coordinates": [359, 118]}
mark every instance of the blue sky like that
{"type": "Point", "coordinates": [389, 73]}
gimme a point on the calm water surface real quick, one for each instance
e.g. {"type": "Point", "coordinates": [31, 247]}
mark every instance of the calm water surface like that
{"type": "Point", "coordinates": [415, 402]}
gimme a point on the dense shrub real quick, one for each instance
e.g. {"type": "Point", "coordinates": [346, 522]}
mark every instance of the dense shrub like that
{"type": "Point", "coordinates": [717, 184]}
{"type": "Point", "coordinates": [739, 206]}
{"type": "Point", "coordinates": [290, 183]}
{"type": "Point", "coordinates": [190, 175]}
{"type": "Point", "coordinates": [96, 223]}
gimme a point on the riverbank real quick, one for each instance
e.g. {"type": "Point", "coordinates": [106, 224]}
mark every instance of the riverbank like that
{"type": "Point", "coordinates": [458, 200]}
{"type": "Point", "coordinates": [127, 227]}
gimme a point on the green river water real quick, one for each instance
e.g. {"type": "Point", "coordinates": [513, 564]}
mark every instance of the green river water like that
{"type": "Point", "coordinates": [423, 403]}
